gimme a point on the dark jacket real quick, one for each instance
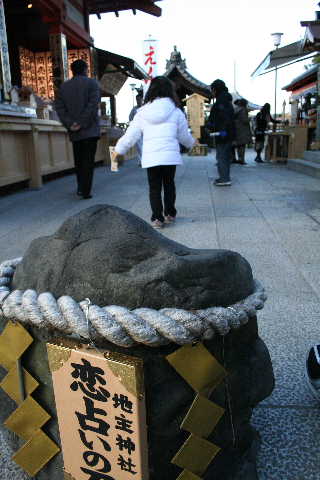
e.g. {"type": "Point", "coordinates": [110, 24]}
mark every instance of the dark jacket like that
{"type": "Point", "coordinates": [242, 124]}
{"type": "Point", "coordinates": [77, 102]}
{"type": "Point", "coordinates": [221, 117]}
{"type": "Point", "coordinates": [262, 121]}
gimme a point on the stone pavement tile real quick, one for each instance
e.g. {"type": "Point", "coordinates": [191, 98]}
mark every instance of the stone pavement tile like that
{"type": "Point", "coordinates": [244, 229]}
{"type": "Point", "coordinates": [193, 232]}
{"type": "Point", "coordinates": [280, 277]}
{"type": "Point", "coordinates": [289, 325]}
{"type": "Point", "coordinates": [311, 273]}
{"type": "Point", "coordinates": [290, 443]}
{"type": "Point", "coordinates": [240, 210]}
{"type": "Point", "coordinates": [305, 252]}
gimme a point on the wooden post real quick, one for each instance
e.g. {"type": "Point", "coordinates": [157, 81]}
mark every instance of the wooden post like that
{"type": "Point", "coordinates": [294, 111]}
{"type": "Point", "coordinates": [5, 74]}
{"type": "Point", "coordinates": [35, 161]}
{"type": "Point", "coordinates": [113, 110]}
{"type": "Point", "coordinates": [58, 47]}
{"type": "Point", "coordinates": [318, 109]}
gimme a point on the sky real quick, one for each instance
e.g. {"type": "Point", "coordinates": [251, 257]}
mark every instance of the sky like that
{"type": "Point", "coordinates": [219, 39]}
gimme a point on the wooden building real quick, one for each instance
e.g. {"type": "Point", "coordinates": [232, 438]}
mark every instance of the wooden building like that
{"type": "Point", "coordinates": [185, 83]}
{"type": "Point", "coordinates": [303, 103]}
{"type": "Point", "coordinates": [192, 93]}
{"type": "Point", "coordinates": [39, 39]}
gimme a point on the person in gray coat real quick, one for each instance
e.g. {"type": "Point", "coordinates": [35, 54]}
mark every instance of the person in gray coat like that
{"type": "Point", "coordinates": [243, 130]}
{"type": "Point", "coordinates": [77, 107]}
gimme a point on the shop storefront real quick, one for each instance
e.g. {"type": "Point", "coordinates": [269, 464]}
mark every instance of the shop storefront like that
{"type": "Point", "coordinates": [303, 102]}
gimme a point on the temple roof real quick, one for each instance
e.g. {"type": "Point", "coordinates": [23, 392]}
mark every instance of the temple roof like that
{"type": "Point", "coordinates": [186, 84]}
{"type": "Point", "coordinates": [106, 6]}
{"type": "Point", "coordinates": [251, 106]}
{"type": "Point", "coordinates": [304, 78]}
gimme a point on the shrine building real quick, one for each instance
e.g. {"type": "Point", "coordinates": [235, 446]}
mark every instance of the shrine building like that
{"type": "Point", "coordinates": [39, 39]}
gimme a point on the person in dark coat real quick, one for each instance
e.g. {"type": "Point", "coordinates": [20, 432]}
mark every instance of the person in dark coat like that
{"type": "Point", "coordinates": [139, 100]}
{"type": "Point", "coordinates": [221, 121]}
{"type": "Point", "coordinates": [243, 130]}
{"type": "Point", "coordinates": [77, 107]}
{"type": "Point", "coordinates": [262, 120]}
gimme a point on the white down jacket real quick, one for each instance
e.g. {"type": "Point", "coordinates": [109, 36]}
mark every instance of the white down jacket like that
{"type": "Point", "coordinates": [163, 126]}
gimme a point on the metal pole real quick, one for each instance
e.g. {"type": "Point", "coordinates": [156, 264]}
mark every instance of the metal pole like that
{"type": "Point", "coordinates": [318, 108]}
{"type": "Point", "coordinates": [275, 91]}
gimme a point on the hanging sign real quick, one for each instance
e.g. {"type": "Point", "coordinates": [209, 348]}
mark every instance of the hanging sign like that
{"type": "Point", "coordinates": [101, 413]}
{"type": "Point", "coordinates": [150, 58]}
{"type": "Point", "coordinates": [112, 81]}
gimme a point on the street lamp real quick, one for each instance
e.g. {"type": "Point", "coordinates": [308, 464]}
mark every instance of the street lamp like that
{"type": "Point", "coordinates": [276, 37]}
{"type": "Point", "coordinates": [133, 87]}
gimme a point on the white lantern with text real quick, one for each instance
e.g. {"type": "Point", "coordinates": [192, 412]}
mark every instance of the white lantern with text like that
{"type": "Point", "coordinates": [150, 58]}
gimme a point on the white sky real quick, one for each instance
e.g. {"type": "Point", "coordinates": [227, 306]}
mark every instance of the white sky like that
{"type": "Point", "coordinates": [211, 35]}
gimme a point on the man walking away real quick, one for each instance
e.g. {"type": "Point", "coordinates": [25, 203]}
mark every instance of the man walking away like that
{"type": "Point", "coordinates": [139, 100]}
{"type": "Point", "coordinates": [243, 129]}
{"type": "Point", "coordinates": [77, 107]}
{"type": "Point", "coordinates": [221, 121]}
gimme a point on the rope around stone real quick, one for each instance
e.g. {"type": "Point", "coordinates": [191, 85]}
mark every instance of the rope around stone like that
{"type": "Point", "coordinates": [117, 324]}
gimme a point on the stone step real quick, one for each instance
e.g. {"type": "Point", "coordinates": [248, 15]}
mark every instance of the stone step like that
{"type": "Point", "coordinates": [312, 156]}
{"type": "Point", "coordinates": [304, 166]}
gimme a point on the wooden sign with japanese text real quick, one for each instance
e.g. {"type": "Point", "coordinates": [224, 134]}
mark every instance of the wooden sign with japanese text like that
{"type": "Point", "coordinates": [101, 413]}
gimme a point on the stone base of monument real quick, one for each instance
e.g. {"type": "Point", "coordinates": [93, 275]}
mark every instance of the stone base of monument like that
{"type": "Point", "coordinates": [161, 388]}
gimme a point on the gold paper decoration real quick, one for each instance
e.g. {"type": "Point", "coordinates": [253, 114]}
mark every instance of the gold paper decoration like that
{"type": "Point", "coordinates": [196, 454]}
{"type": "Point", "coordinates": [203, 373]}
{"type": "Point", "coordinates": [57, 356]}
{"type": "Point", "coordinates": [14, 341]}
{"type": "Point", "coordinates": [10, 384]}
{"type": "Point", "coordinates": [129, 371]}
{"type": "Point", "coordinates": [185, 475]}
{"type": "Point", "coordinates": [198, 367]}
{"type": "Point", "coordinates": [202, 417]}
{"type": "Point", "coordinates": [36, 453]}
{"type": "Point", "coordinates": [29, 417]}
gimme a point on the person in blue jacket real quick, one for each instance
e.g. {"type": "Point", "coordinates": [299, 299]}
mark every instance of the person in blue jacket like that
{"type": "Point", "coordinates": [221, 122]}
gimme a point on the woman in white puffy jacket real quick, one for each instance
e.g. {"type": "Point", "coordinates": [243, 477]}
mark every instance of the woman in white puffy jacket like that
{"type": "Point", "coordinates": [163, 127]}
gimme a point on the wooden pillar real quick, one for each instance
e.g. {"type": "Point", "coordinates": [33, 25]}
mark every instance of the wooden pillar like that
{"type": "Point", "coordinates": [59, 52]}
{"type": "Point", "coordinates": [294, 111]}
{"type": "Point", "coordinates": [113, 110]}
{"type": "Point", "coordinates": [5, 74]}
{"type": "Point", "coordinates": [35, 160]}
{"type": "Point", "coordinates": [318, 109]}
{"type": "Point", "coordinates": [94, 63]}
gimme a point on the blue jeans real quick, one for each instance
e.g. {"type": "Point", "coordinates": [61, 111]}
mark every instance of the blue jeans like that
{"type": "Point", "coordinates": [223, 156]}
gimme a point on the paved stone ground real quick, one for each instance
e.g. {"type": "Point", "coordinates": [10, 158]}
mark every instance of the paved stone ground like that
{"type": "Point", "coordinates": [272, 217]}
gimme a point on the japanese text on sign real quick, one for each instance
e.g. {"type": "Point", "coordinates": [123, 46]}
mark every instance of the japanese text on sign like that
{"type": "Point", "coordinates": [102, 423]}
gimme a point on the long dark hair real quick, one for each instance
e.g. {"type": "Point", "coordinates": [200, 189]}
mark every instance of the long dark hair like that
{"type": "Point", "coordinates": [161, 87]}
{"type": "Point", "coordinates": [266, 108]}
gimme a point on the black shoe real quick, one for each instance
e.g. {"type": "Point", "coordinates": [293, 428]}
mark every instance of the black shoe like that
{"type": "Point", "coordinates": [258, 160]}
{"type": "Point", "coordinates": [242, 163]}
{"type": "Point", "coordinates": [86, 197]}
{"type": "Point", "coordinates": [222, 183]}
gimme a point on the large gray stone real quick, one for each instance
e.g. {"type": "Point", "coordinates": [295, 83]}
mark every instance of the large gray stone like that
{"type": "Point", "coordinates": [113, 257]}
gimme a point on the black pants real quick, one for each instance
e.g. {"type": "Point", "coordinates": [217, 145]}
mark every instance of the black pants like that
{"type": "Point", "coordinates": [162, 177]}
{"type": "Point", "coordinates": [84, 152]}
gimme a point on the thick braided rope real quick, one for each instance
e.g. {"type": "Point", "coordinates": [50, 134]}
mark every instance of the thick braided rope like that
{"type": "Point", "coordinates": [118, 324]}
